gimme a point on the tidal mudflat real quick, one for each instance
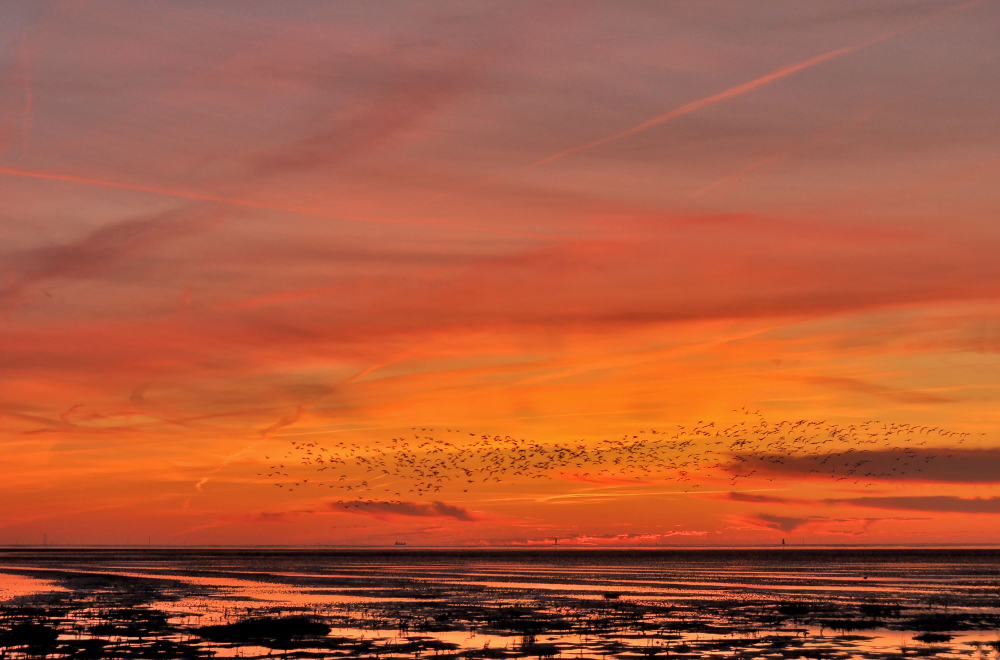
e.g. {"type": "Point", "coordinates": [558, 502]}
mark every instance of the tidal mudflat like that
{"type": "Point", "coordinates": [567, 603]}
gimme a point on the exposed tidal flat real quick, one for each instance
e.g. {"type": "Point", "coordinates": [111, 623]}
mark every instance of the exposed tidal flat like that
{"type": "Point", "coordinates": [567, 603]}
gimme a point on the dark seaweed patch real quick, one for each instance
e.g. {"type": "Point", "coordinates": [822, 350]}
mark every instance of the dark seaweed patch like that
{"type": "Point", "coordinates": [30, 634]}
{"type": "Point", "coordinates": [265, 630]}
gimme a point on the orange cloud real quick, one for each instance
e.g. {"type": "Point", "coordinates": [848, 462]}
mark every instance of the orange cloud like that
{"type": "Point", "coordinates": [209, 250]}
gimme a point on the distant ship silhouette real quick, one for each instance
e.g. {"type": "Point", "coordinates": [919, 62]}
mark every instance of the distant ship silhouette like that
{"type": "Point", "coordinates": [400, 542]}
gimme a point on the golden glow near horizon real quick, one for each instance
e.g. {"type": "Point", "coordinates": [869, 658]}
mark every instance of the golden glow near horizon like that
{"type": "Point", "coordinates": [240, 234]}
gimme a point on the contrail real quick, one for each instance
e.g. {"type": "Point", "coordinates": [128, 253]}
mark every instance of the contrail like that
{"type": "Point", "coordinates": [716, 98]}
{"type": "Point", "coordinates": [300, 210]}
{"type": "Point", "coordinates": [701, 103]}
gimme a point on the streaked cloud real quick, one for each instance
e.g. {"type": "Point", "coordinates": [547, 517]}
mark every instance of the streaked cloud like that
{"type": "Point", "coordinates": [405, 509]}
{"type": "Point", "coordinates": [756, 498]}
{"type": "Point", "coordinates": [906, 463]}
{"type": "Point", "coordinates": [937, 503]}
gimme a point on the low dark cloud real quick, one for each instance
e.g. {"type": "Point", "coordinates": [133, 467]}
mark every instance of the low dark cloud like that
{"type": "Point", "coordinates": [738, 496]}
{"type": "Point", "coordinates": [784, 523]}
{"type": "Point", "coordinates": [906, 464]}
{"type": "Point", "coordinates": [412, 509]}
{"type": "Point", "coordinates": [274, 517]}
{"type": "Point", "coordinates": [941, 503]}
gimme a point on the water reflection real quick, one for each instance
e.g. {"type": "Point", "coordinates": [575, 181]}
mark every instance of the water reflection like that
{"type": "Point", "coordinates": [587, 604]}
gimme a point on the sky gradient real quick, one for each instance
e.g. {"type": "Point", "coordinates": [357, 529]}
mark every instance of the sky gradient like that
{"type": "Point", "coordinates": [225, 228]}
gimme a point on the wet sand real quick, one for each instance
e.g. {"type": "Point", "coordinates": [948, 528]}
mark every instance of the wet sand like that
{"type": "Point", "coordinates": [408, 603]}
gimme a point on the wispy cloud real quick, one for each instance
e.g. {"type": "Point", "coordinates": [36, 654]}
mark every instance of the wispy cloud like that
{"type": "Point", "coordinates": [398, 101]}
{"type": "Point", "coordinates": [284, 422]}
{"type": "Point", "coordinates": [107, 248]}
{"type": "Point", "coordinates": [865, 387]}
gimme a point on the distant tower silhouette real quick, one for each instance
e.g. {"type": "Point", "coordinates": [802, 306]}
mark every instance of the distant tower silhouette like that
{"type": "Point", "coordinates": [782, 541]}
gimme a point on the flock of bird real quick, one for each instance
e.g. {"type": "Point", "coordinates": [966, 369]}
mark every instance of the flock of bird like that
{"type": "Point", "coordinates": [427, 461]}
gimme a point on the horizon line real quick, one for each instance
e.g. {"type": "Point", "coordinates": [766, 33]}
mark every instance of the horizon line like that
{"type": "Point", "coordinates": [547, 547]}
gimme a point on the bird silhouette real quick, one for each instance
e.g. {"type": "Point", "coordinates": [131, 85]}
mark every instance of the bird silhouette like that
{"type": "Point", "coordinates": [737, 452]}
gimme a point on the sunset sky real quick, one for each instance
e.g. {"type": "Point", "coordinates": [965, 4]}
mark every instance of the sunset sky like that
{"type": "Point", "coordinates": [228, 227]}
